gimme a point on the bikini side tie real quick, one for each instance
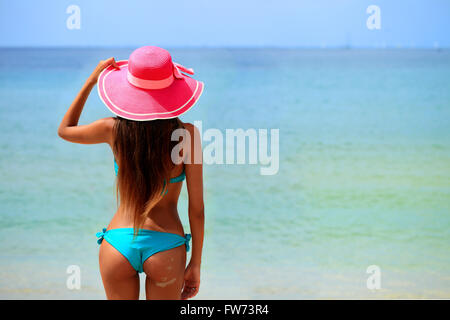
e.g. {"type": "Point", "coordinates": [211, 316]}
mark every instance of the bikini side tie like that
{"type": "Point", "coordinates": [100, 236]}
{"type": "Point", "coordinates": [187, 237]}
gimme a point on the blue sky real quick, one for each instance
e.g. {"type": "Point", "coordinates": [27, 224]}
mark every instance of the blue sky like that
{"type": "Point", "coordinates": [230, 23]}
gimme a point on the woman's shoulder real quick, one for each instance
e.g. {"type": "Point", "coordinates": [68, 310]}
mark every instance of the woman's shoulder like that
{"type": "Point", "coordinates": [192, 129]}
{"type": "Point", "coordinates": [110, 122]}
{"type": "Point", "coordinates": [193, 145]}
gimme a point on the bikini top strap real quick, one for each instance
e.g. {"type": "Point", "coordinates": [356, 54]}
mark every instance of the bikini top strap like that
{"type": "Point", "coordinates": [181, 177]}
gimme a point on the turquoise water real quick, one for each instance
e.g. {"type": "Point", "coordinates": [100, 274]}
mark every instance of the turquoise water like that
{"type": "Point", "coordinates": [364, 175]}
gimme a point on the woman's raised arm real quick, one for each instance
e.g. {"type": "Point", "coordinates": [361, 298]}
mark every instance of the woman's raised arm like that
{"type": "Point", "coordinates": [95, 132]}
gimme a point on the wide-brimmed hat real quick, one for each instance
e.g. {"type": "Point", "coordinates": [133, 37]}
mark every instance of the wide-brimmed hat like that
{"type": "Point", "coordinates": [148, 86]}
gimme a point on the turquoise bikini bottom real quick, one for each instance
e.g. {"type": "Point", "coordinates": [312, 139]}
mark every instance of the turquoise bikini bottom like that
{"type": "Point", "coordinates": [143, 246]}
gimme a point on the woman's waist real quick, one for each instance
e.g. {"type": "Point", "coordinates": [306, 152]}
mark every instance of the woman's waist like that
{"type": "Point", "coordinates": [158, 220]}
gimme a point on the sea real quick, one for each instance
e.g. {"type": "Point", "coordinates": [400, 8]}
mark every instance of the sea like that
{"type": "Point", "coordinates": [358, 208]}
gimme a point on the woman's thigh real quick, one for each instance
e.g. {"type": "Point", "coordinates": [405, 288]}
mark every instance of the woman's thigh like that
{"type": "Point", "coordinates": [120, 280]}
{"type": "Point", "coordinates": [165, 274]}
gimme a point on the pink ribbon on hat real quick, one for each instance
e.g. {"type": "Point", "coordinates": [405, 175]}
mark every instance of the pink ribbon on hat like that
{"type": "Point", "coordinates": [176, 70]}
{"type": "Point", "coordinates": [159, 84]}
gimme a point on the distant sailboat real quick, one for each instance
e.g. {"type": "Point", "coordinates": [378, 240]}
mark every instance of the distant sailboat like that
{"type": "Point", "coordinates": [347, 45]}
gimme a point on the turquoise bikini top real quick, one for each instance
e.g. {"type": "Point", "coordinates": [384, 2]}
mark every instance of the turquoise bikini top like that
{"type": "Point", "coordinates": [181, 177]}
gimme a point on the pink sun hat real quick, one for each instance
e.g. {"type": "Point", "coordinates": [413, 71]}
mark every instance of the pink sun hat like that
{"type": "Point", "coordinates": [148, 86]}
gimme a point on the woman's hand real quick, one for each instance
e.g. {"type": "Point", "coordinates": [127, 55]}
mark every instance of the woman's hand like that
{"type": "Point", "coordinates": [100, 67]}
{"type": "Point", "coordinates": [191, 281]}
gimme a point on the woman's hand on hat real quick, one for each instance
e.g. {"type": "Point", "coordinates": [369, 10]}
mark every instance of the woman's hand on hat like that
{"type": "Point", "coordinates": [100, 67]}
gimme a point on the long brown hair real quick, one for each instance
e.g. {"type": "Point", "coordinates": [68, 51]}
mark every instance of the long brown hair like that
{"type": "Point", "coordinates": [143, 153]}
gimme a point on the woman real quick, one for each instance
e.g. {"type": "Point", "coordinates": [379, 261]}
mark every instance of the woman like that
{"type": "Point", "coordinates": [147, 93]}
